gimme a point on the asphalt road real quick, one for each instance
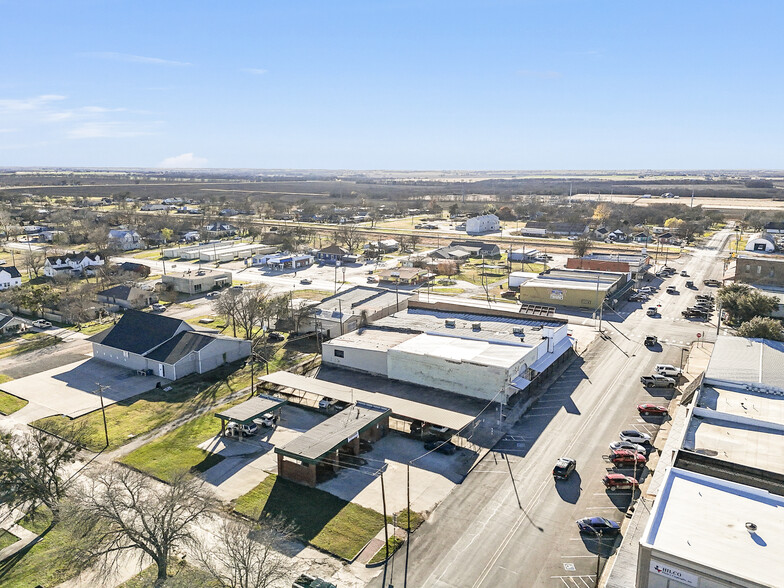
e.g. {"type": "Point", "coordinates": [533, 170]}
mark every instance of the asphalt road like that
{"type": "Point", "coordinates": [492, 532]}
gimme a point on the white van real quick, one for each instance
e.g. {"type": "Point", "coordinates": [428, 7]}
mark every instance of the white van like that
{"type": "Point", "coordinates": [665, 369]}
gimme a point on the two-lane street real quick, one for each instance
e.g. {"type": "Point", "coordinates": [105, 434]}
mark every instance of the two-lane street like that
{"type": "Point", "coordinates": [482, 536]}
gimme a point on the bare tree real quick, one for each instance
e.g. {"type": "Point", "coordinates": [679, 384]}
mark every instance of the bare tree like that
{"type": "Point", "coordinates": [34, 261]}
{"type": "Point", "coordinates": [246, 556]}
{"type": "Point", "coordinates": [349, 236]}
{"type": "Point", "coordinates": [33, 469]}
{"type": "Point", "coordinates": [226, 306]}
{"type": "Point", "coordinates": [121, 511]}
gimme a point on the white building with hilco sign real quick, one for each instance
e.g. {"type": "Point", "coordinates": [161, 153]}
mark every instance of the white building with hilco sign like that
{"type": "Point", "coordinates": [707, 532]}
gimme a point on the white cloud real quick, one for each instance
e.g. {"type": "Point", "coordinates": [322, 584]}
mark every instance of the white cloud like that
{"type": "Point", "coordinates": [542, 75]}
{"type": "Point", "coordinates": [129, 58]}
{"type": "Point", "coordinates": [28, 104]}
{"type": "Point", "coordinates": [184, 161]}
{"type": "Point", "coordinates": [254, 70]}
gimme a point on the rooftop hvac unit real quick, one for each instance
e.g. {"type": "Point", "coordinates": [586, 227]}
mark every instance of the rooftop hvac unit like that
{"type": "Point", "coordinates": [518, 332]}
{"type": "Point", "coordinates": [476, 326]}
{"type": "Point", "coordinates": [449, 323]}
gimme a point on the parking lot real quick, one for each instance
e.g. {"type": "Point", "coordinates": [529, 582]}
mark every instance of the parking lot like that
{"type": "Point", "coordinates": [249, 460]}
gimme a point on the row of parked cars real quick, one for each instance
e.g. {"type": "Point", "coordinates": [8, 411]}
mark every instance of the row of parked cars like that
{"type": "Point", "coordinates": [702, 308]}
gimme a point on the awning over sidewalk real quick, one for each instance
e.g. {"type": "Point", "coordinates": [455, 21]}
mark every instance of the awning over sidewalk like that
{"type": "Point", "coordinates": [548, 359]}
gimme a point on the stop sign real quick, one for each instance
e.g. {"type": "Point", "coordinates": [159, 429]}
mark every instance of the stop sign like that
{"type": "Point", "coordinates": [699, 335]}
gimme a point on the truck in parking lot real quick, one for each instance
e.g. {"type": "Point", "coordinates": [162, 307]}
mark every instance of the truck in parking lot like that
{"type": "Point", "coordinates": [657, 381]}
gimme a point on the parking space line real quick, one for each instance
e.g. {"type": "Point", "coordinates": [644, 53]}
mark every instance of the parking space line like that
{"type": "Point", "coordinates": [574, 556]}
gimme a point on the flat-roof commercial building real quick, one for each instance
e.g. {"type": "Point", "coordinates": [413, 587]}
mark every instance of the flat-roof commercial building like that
{"type": "Point", "coordinates": [196, 281]}
{"type": "Point", "coordinates": [759, 270]}
{"type": "Point", "coordinates": [627, 263]}
{"type": "Point", "coordinates": [492, 358]}
{"type": "Point", "coordinates": [712, 533]}
{"type": "Point", "coordinates": [574, 288]}
{"type": "Point", "coordinates": [346, 311]}
{"type": "Point", "coordinates": [320, 448]}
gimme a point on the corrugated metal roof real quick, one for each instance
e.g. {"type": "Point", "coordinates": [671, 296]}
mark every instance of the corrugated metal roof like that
{"type": "Point", "coordinates": [251, 409]}
{"type": "Point", "coordinates": [333, 433]}
{"type": "Point", "coordinates": [464, 350]}
{"type": "Point", "coordinates": [399, 406]}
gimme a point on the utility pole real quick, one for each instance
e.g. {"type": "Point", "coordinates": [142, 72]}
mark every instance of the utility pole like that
{"type": "Point", "coordinates": [100, 390]}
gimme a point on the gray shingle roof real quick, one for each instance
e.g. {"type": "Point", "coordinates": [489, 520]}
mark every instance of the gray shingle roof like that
{"type": "Point", "coordinates": [179, 346]}
{"type": "Point", "coordinates": [12, 271]}
{"type": "Point", "coordinates": [139, 332]}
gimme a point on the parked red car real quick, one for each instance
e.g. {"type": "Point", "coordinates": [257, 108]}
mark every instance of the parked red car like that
{"type": "Point", "coordinates": [626, 456]}
{"type": "Point", "coordinates": [649, 408]}
{"type": "Point", "coordinates": [620, 482]}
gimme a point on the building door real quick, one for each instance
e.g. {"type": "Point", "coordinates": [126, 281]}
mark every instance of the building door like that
{"type": "Point", "coordinates": [160, 370]}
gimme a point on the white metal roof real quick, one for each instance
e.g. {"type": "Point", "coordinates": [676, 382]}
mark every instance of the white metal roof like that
{"type": "Point", "coordinates": [756, 362]}
{"type": "Point", "coordinates": [703, 520]}
{"type": "Point", "coordinates": [464, 350]}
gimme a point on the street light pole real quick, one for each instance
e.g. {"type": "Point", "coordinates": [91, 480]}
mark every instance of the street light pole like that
{"type": "Point", "coordinates": [598, 558]}
{"type": "Point", "coordinates": [103, 413]}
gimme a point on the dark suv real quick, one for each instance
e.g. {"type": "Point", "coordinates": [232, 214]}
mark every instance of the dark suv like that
{"type": "Point", "coordinates": [564, 467]}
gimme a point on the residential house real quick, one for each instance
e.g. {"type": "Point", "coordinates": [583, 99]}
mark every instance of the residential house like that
{"type": "Point", "coordinates": [332, 254]}
{"type": "Point", "coordinates": [125, 240]}
{"type": "Point", "coordinates": [487, 223]}
{"type": "Point", "coordinates": [478, 248]}
{"type": "Point", "coordinates": [126, 297]}
{"type": "Point", "coordinates": [9, 277]}
{"type": "Point", "coordinates": [74, 264]}
{"type": "Point", "coordinates": [190, 236]}
{"type": "Point", "coordinates": [137, 268]}
{"type": "Point", "coordinates": [384, 246]}
{"type": "Point", "coordinates": [164, 346]}
{"type": "Point", "coordinates": [404, 275]}
{"type": "Point", "coordinates": [219, 229]}
{"type": "Point", "coordinates": [9, 324]}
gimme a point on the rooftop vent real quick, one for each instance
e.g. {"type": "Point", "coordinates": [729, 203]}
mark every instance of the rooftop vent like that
{"type": "Point", "coordinates": [476, 326]}
{"type": "Point", "coordinates": [518, 331]}
{"type": "Point", "coordinates": [751, 527]}
{"type": "Point", "coordinates": [449, 323]}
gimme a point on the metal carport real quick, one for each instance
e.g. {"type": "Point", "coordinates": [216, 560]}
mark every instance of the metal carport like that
{"type": "Point", "coordinates": [251, 409]}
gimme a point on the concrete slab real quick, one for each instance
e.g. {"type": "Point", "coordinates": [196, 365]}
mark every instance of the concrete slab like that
{"type": "Point", "coordinates": [432, 477]}
{"type": "Point", "coordinates": [70, 389]}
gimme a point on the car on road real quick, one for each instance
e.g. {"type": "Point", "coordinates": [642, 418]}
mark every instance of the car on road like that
{"type": "Point", "coordinates": [42, 324]}
{"type": "Point", "coordinates": [690, 284]}
{"type": "Point", "coordinates": [628, 445]}
{"type": "Point", "coordinates": [694, 313]}
{"type": "Point", "coordinates": [657, 381]}
{"type": "Point", "coordinates": [652, 311]}
{"type": "Point", "coordinates": [236, 429]}
{"type": "Point", "coordinates": [275, 337]}
{"type": "Point", "coordinates": [639, 297]}
{"type": "Point", "coordinates": [651, 341]}
{"type": "Point", "coordinates": [444, 447]}
{"type": "Point", "coordinates": [648, 408]}
{"type": "Point", "coordinates": [372, 280]}
{"type": "Point", "coordinates": [213, 294]}
{"type": "Point", "coordinates": [564, 467]}
{"type": "Point", "coordinates": [708, 297]}
{"type": "Point", "coordinates": [620, 482]}
{"type": "Point", "coordinates": [158, 307]}
{"type": "Point", "coordinates": [306, 281]}
{"type": "Point", "coordinates": [635, 436]}
{"type": "Point", "coordinates": [665, 369]}
{"type": "Point", "coordinates": [622, 457]}
{"type": "Point", "coordinates": [646, 290]}
{"type": "Point", "coordinates": [714, 283]}
{"type": "Point", "coordinates": [671, 290]}
{"type": "Point", "coordinates": [684, 273]}
{"type": "Point", "coordinates": [598, 525]}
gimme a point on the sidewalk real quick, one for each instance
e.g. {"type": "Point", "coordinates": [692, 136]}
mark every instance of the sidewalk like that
{"type": "Point", "coordinates": [377, 543]}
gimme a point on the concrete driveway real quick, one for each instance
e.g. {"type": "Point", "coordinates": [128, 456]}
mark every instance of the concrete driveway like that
{"type": "Point", "coordinates": [71, 389]}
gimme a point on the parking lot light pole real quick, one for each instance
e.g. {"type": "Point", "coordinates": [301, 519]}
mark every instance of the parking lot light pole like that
{"type": "Point", "coordinates": [598, 557]}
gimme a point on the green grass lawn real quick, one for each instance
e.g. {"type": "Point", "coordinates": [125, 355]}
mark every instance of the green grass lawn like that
{"type": "Point", "coordinates": [8, 402]}
{"type": "Point", "coordinates": [311, 294]}
{"type": "Point", "coordinates": [92, 327]}
{"type": "Point", "coordinates": [401, 519]}
{"type": "Point", "coordinates": [186, 576]}
{"type": "Point", "coordinates": [7, 539]}
{"type": "Point", "coordinates": [141, 414]}
{"type": "Point", "coordinates": [42, 564]}
{"type": "Point", "coordinates": [325, 521]}
{"type": "Point", "coordinates": [394, 543]}
{"type": "Point", "coordinates": [177, 450]}
{"type": "Point", "coordinates": [28, 342]}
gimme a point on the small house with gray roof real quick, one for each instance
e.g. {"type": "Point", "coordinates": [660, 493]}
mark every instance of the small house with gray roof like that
{"type": "Point", "coordinates": [164, 346]}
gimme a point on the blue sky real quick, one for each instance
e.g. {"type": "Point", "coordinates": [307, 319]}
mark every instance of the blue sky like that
{"type": "Point", "coordinates": [379, 84]}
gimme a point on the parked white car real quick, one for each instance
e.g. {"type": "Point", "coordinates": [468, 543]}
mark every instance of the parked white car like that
{"type": "Point", "coordinates": [666, 369]}
{"type": "Point", "coordinates": [42, 324]}
{"type": "Point", "coordinates": [635, 436]}
{"type": "Point", "coordinates": [235, 430]}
